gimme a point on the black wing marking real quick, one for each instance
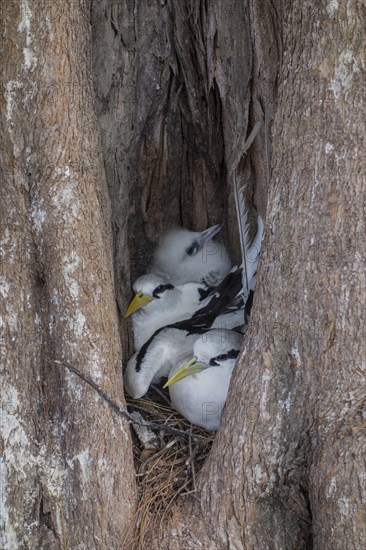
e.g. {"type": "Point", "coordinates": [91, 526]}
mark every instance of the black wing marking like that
{"type": "Point", "coordinates": [223, 296]}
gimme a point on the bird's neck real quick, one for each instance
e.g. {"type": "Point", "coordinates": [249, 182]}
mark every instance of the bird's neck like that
{"type": "Point", "coordinates": [165, 349]}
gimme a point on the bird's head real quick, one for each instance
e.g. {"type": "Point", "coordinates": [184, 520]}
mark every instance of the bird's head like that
{"type": "Point", "coordinates": [216, 343]}
{"type": "Point", "coordinates": [135, 383]}
{"type": "Point", "coordinates": [148, 288]}
{"type": "Point", "coordinates": [214, 348]}
{"type": "Point", "coordinates": [189, 256]}
{"type": "Point", "coordinates": [193, 366]}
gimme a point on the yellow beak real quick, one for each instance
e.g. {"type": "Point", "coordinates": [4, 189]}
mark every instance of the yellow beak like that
{"type": "Point", "coordinates": [189, 368]}
{"type": "Point", "coordinates": [139, 300]}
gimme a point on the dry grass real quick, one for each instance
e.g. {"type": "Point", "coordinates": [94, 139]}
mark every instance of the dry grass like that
{"type": "Point", "coordinates": [166, 463]}
{"type": "Point", "coordinates": [168, 470]}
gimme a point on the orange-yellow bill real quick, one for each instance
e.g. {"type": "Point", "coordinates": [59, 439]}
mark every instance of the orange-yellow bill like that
{"type": "Point", "coordinates": [139, 300]}
{"type": "Point", "coordinates": [189, 368]}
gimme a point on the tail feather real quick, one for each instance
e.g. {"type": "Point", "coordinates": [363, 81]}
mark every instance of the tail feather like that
{"type": "Point", "coordinates": [243, 226]}
{"type": "Point", "coordinates": [249, 260]}
{"type": "Point", "coordinates": [254, 251]}
{"type": "Point", "coordinates": [250, 252]}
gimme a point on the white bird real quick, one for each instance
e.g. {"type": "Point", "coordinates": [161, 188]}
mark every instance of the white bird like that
{"type": "Point", "coordinates": [156, 358]}
{"type": "Point", "coordinates": [191, 256]}
{"type": "Point", "coordinates": [222, 308]}
{"type": "Point", "coordinates": [158, 303]}
{"type": "Point", "coordinates": [198, 388]}
{"type": "Point", "coordinates": [170, 344]}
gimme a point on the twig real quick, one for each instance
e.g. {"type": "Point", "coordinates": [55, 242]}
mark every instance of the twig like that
{"type": "Point", "coordinates": [157, 454]}
{"type": "Point", "coordinates": [145, 409]}
{"type": "Point", "coordinates": [121, 410]}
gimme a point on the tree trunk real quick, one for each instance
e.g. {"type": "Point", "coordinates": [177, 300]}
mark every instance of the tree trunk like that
{"type": "Point", "coordinates": [178, 85]}
{"type": "Point", "coordinates": [67, 472]}
{"type": "Point", "coordinates": [172, 87]}
{"type": "Point", "coordinates": [288, 466]}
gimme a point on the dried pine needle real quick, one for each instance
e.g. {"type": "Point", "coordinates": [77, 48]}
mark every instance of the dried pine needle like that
{"type": "Point", "coordinates": [170, 471]}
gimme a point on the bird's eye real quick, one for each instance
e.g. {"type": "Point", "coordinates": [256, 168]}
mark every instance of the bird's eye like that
{"type": "Point", "coordinates": [192, 250]}
{"type": "Point", "coordinates": [160, 289]}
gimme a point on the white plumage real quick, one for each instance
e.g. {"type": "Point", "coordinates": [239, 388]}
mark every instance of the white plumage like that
{"type": "Point", "coordinates": [222, 309]}
{"type": "Point", "coordinates": [155, 360]}
{"type": "Point", "coordinates": [250, 262]}
{"type": "Point", "coordinates": [158, 303]}
{"type": "Point", "coordinates": [176, 315]}
{"type": "Point", "coordinates": [198, 388]}
{"type": "Point", "coordinates": [186, 256]}
{"type": "Point", "coordinates": [170, 344]}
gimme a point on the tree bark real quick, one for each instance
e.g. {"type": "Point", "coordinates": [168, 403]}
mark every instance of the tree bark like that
{"type": "Point", "coordinates": [67, 471]}
{"type": "Point", "coordinates": [178, 86]}
{"type": "Point", "coordinates": [287, 467]}
{"type": "Point", "coordinates": [172, 86]}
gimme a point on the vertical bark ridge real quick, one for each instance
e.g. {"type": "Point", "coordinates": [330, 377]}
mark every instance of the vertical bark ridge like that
{"type": "Point", "coordinates": [62, 443]}
{"type": "Point", "coordinates": [286, 469]}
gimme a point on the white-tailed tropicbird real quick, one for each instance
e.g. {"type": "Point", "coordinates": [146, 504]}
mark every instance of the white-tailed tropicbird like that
{"type": "Point", "coordinates": [170, 344]}
{"type": "Point", "coordinates": [158, 303]}
{"type": "Point", "coordinates": [198, 388]}
{"type": "Point", "coordinates": [191, 256]}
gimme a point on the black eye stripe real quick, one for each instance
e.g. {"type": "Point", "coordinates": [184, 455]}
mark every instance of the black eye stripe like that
{"type": "Point", "coordinates": [232, 354]}
{"type": "Point", "coordinates": [160, 289]}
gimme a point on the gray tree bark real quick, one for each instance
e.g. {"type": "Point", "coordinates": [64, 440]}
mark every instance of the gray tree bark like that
{"type": "Point", "coordinates": [288, 465]}
{"type": "Point", "coordinates": [67, 478]}
{"type": "Point", "coordinates": [177, 86]}
{"type": "Point", "coordinates": [173, 90]}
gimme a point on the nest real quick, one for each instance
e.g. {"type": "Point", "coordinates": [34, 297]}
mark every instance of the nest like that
{"type": "Point", "coordinates": [166, 464]}
{"type": "Point", "coordinates": [168, 452]}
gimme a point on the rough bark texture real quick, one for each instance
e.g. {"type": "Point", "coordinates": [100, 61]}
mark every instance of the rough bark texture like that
{"type": "Point", "coordinates": [66, 468]}
{"type": "Point", "coordinates": [288, 466]}
{"type": "Point", "coordinates": [173, 83]}
{"type": "Point", "coordinates": [178, 84]}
